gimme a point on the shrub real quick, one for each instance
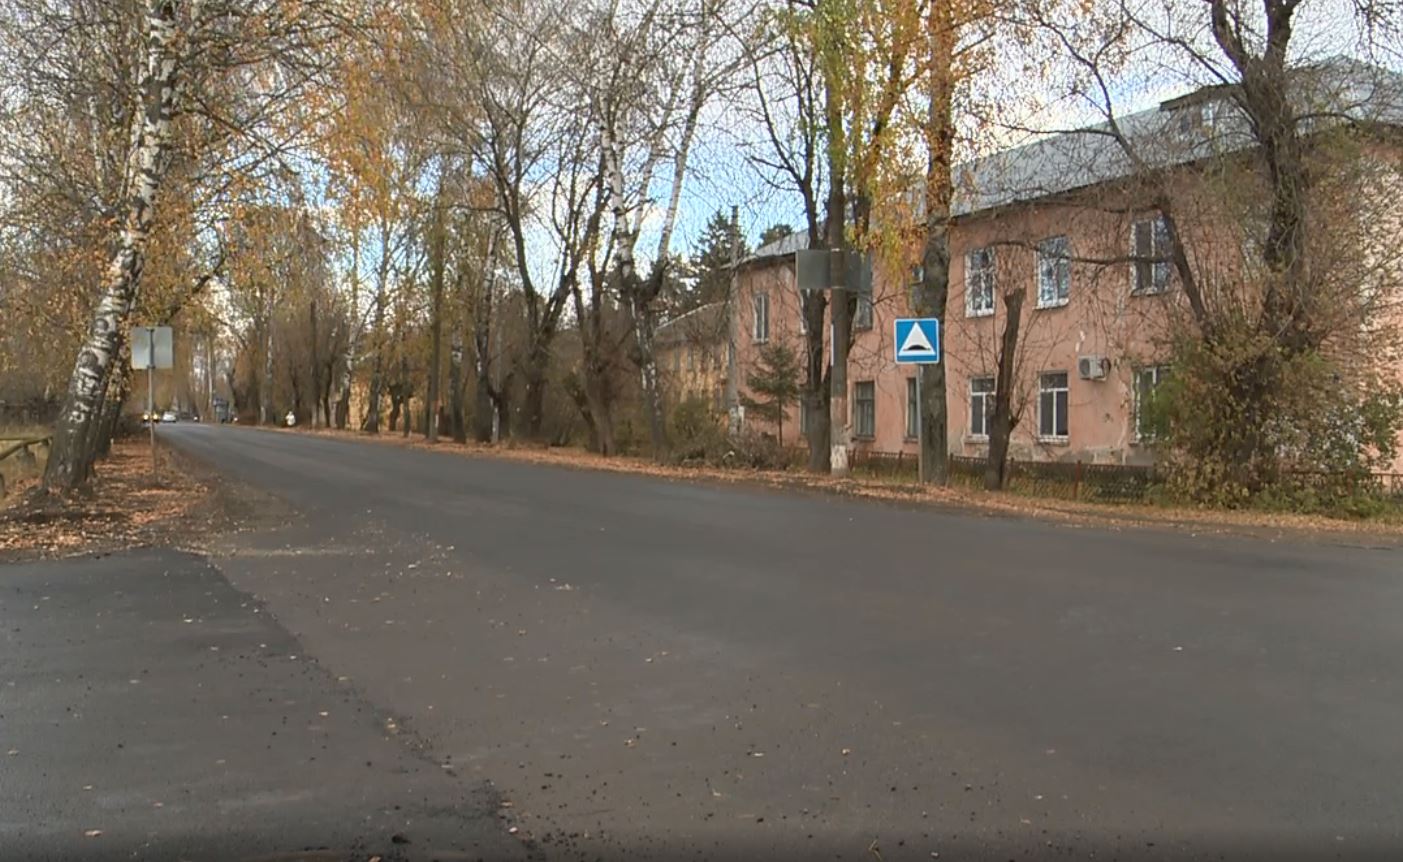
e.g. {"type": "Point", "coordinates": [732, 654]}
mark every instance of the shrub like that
{"type": "Point", "coordinates": [696, 430]}
{"type": "Point", "coordinates": [1241, 420]}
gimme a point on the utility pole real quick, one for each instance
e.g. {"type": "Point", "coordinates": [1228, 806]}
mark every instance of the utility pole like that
{"type": "Point", "coordinates": [732, 386]}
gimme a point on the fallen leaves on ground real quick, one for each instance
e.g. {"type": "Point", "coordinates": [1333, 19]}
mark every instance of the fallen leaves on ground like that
{"type": "Point", "coordinates": [124, 507]}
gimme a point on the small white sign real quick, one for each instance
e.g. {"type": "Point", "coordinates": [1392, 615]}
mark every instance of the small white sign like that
{"type": "Point", "coordinates": [152, 347]}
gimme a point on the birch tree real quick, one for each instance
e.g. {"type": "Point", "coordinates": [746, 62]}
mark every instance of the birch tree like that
{"type": "Point", "coordinates": [668, 63]}
{"type": "Point", "coordinates": [148, 161]}
{"type": "Point", "coordinates": [206, 86]}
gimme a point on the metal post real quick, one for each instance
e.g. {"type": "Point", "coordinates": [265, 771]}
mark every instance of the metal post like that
{"type": "Point", "coordinates": [920, 429]}
{"type": "Point", "coordinates": [151, 393]}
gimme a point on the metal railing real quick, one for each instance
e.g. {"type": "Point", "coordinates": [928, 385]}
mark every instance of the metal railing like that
{"type": "Point", "coordinates": [20, 447]}
{"type": "Point", "coordinates": [1069, 480]}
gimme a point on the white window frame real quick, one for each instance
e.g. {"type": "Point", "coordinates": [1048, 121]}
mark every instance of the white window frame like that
{"type": "Point", "coordinates": [986, 401]}
{"type": "Point", "coordinates": [1054, 268]}
{"type": "Point", "coordinates": [1158, 248]}
{"type": "Point", "coordinates": [912, 425]}
{"type": "Point", "coordinates": [857, 415]}
{"type": "Point", "coordinates": [1066, 390]}
{"type": "Point", "coordinates": [760, 326]}
{"type": "Point", "coordinates": [1158, 372]}
{"type": "Point", "coordinates": [979, 283]}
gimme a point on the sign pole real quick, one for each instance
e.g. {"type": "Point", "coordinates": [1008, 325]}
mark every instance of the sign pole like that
{"type": "Point", "coordinates": [920, 430]}
{"type": "Point", "coordinates": [917, 342]}
{"type": "Point", "coordinates": [151, 395]}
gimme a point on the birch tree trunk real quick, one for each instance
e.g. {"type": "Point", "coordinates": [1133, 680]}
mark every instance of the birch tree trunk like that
{"type": "Point", "coordinates": [377, 370]}
{"type": "Point", "coordinates": [343, 401]}
{"type": "Point", "coordinates": [110, 409]}
{"type": "Point", "coordinates": [636, 293]}
{"type": "Point", "coordinates": [119, 387]}
{"type": "Point", "coordinates": [71, 458]}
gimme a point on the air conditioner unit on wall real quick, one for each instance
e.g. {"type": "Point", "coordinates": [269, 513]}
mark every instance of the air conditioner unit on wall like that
{"type": "Point", "coordinates": [1093, 367]}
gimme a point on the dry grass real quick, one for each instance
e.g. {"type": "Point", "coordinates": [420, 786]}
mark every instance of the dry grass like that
{"type": "Point", "coordinates": [124, 508]}
{"type": "Point", "coordinates": [1195, 521]}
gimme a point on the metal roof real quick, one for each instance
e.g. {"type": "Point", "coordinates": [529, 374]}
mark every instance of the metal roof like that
{"type": "Point", "coordinates": [701, 323]}
{"type": "Point", "coordinates": [1199, 125]}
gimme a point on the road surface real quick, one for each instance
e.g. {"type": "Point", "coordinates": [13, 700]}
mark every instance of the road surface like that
{"type": "Point", "coordinates": [150, 711]}
{"type": "Point", "coordinates": [643, 668]}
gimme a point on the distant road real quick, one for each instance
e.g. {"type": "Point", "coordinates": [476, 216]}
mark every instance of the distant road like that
{"type": "Point", "coordinates": [648, 666]}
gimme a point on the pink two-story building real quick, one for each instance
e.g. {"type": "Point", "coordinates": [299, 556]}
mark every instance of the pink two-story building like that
{"type": "Point", "coordinates": [1064, 220]}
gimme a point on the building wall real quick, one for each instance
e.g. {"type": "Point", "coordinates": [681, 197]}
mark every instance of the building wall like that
{"type": "Point", "coordinates": [774, 279]}
{"type": "Point", "coordinates": [1101, 317]}
{"type": "Point", "coordinates": [692, 368]}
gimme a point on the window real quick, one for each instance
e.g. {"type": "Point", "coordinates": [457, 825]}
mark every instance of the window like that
{"type": "Point", "coordinates": [1052, 405]}
{"type": "Point", "coordinates": [862, 316]}
{"type": "Point", "coordinates": [1149, 247]}
{"type": "Point", "coordinates": [1054, 271]}
{"type": "Point", "coordinates": [979, 282]}
{"type": "Point", "coordinates": [803, 416]}
{"type": "Point", "coordinates": [865, 408]}
{"type": "Point", "coordinates": [981, 405]}
{"type": "Point", "coordinates": [761, 330]}
{"type": "Point", "coordinates": [913, 410]}
{"type": "Point", "coordinates": [1147, 380]}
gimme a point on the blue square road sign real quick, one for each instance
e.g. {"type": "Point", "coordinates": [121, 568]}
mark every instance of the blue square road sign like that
{"type": "Point", "coordinates": [917, 340]}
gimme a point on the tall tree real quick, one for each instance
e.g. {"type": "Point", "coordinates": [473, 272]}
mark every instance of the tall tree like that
{"type": "Point", "coordinates": [198, 97]}
{"type": "Point", "coordinates": [1248, 340]}
{"type": "Point", "coordinates": [74, 447]}
{"type": "Point", "coordinates": [711, 264]}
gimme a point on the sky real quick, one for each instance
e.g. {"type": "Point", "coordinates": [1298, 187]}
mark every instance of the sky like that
{"type": "Point", "coordinates": [1003, 107]}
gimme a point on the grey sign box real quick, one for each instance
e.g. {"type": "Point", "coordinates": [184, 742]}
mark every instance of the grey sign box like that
{"type": "Point", "coordinates": [152, 347]}
{"type": "Point", "coordinates": [812, 268]}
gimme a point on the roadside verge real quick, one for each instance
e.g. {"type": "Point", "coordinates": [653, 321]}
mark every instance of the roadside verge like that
{"type": "Point", "coordinates": [1265, 525]}
{"type": "Point", "coordinates": [125, 507]}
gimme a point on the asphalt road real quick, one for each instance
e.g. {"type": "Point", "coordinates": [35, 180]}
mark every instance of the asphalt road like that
{"type": "Point", "coordinates": [150, 711]}
{"type": "Point", "coordinates": [652, 669]}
